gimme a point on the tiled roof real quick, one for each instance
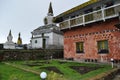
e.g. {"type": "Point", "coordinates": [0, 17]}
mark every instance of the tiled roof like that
{"type": "Point", "coordinates": [47, 29]}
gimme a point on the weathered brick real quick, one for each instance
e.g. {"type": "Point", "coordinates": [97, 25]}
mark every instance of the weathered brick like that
{"type": "Point", "coordinates": [90, 34]}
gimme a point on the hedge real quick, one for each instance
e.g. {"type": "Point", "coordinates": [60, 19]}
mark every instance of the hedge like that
{"type": "Point", "coordinates": [30, 54]}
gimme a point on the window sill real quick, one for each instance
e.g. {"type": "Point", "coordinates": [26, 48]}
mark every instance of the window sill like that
{"type": "Point", "coordinates": [80, 53]}
{"type": "Point", "coordinates": [104, 51]}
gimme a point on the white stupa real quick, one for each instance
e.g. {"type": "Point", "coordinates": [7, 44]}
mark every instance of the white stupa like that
{"type": "Point", "coordinates": [47, 36]}
{"type": "Point", "coordinates": [9, 43]}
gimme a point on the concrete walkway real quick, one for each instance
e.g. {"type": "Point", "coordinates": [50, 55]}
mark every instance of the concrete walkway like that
{"type": "Point", "coordinates": [117, 77]}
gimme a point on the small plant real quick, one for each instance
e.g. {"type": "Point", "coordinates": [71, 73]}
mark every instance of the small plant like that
{"type": "Point", "coordinates": [54, 76]}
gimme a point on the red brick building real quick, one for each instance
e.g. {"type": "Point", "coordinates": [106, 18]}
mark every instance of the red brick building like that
{"type": "Point", "coordinates": [91, 31]}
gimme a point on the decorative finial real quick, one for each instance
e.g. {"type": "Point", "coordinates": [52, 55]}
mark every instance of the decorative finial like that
{"type": "Point", "coordinates": [10, 33]}
{"type": "Point", "coordinates": [19, 34]}
{"type": "Point", "coordinates": [50, 10]}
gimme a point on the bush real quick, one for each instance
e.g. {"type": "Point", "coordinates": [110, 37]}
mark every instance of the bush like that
{"type": "Point", "coordinates": [1, 55]}
{"type": "Point", "coordinates": [30, 54]}
{"type": "Point", "coordinates": [54, 76]}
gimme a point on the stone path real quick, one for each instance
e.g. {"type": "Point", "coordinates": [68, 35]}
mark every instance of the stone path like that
{"type": "Point", "coordinates": [117, 77]}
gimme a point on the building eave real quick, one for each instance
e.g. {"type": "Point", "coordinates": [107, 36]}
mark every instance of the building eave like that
{"type": "Point", "coordinates": [75, 9]}
{"type": "Point", "coordinates": [40, 37]}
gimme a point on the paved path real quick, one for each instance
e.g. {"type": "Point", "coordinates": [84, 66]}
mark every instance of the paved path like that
{"type": "Point", "coordinates": [117, 77]}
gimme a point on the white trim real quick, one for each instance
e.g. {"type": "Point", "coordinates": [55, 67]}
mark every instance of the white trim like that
{"type": "Point", "coordinates": [103, 17]}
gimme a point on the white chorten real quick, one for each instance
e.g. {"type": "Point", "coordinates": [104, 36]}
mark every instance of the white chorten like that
{"type": "Point", "coordinates": [9, 43]}
{"type": "Point", "coordinates": [47, 36]}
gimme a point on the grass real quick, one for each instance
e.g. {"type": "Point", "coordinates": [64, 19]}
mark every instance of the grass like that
{"type": "Point", "coordinates": [68, 73]}
{"type": "Point", "coordinates": [10, 73]}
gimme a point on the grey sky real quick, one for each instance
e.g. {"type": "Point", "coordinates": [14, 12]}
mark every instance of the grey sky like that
{"type": "Point", "coordinates": [26, 15]}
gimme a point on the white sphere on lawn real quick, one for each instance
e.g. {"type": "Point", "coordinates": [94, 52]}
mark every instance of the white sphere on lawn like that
{"type": "Point", "coordinates": [43, 75]}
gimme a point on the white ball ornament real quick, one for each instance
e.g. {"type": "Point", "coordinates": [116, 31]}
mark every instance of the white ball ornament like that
{"type": "Point", "coordinates": [43, 75]}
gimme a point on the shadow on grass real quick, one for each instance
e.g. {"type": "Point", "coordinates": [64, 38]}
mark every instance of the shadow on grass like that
{"type": "Point", "coordinates": [37, 63]}
{"type": "Point", "coordinates": [54, 69]}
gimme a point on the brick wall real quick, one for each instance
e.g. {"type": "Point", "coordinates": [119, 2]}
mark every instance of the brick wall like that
{"type": "Point", "coordinates": [90, 34]}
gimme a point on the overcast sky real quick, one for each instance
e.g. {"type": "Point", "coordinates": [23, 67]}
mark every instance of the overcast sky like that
{"type": "Point", "coordinates": [26, 15]}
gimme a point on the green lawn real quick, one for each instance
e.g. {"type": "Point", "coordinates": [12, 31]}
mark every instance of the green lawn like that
{"type": "Point", "coordinates": [10, 73]}
{"type": "Point", "coordinates": [7, 72]}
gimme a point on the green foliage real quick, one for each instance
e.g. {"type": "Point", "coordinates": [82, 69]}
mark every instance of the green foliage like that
{"type": "Point", "coordinates": [30, 54]}
{"type": "Point", "coordinates": [0, 76]}
{"type": "Point", "coordinates": [11, 73]}
{"type": "Point", "coordinates": [16, 77]}
{"type": "Point", "coordinates": [64, 67]}
{"type": "Point", "coordinates": [54, 76]}
{"type": "Point", "coordinates": [39, 66]}
{"type": "Point", "coordinates": [1, 52]}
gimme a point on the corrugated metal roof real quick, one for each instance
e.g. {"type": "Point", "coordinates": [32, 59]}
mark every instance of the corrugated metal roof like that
{"type": "Point", "coordinates": [77, 8]}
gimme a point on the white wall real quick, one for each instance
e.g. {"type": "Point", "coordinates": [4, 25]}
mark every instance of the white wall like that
{"type": "Point", "coordinates": [52, 39]}
{"type": "Point", "coordinates": [9, 46]}
{"type": "Point", "coordinates": [57, 40]}
{"type": "Point", "coordinates": [49, 40]}
{"type": "Point", "coordinates": [38, 44]}
{"type": "Point", "coordinates": [49, 19]}
{"type": "Point", "coordinates": [39, 40]}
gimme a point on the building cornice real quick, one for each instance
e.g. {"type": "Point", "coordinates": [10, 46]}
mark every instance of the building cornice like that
{"type": "Point", "coordinates": [76, 8]}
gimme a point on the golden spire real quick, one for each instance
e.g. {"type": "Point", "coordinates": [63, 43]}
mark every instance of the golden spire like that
{"type": "Point", "coordinates": [19, 42]}
{"type": "Point", "coordinates": [50, 10]}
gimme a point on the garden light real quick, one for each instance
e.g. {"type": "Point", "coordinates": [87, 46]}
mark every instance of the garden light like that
{"type": "Point", "coordinates": [112, 61]}
{"type": "Point", "coordinates": [43, 75]}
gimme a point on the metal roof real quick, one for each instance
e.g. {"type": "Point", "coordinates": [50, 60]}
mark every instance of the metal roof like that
{"type": "Point", "coordinates": [77, 8]}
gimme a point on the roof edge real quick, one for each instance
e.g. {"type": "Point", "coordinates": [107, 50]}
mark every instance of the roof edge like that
{"type": "Point", "coordinates": [76, 8]}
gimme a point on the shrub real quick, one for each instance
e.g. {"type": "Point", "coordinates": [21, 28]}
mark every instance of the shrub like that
{"type": "Point", "coordinates": [1, 55]}
{"type": "Point", "coordinates": [54, 76]}
{"type": "Point", "coordinates": [30, 54]}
